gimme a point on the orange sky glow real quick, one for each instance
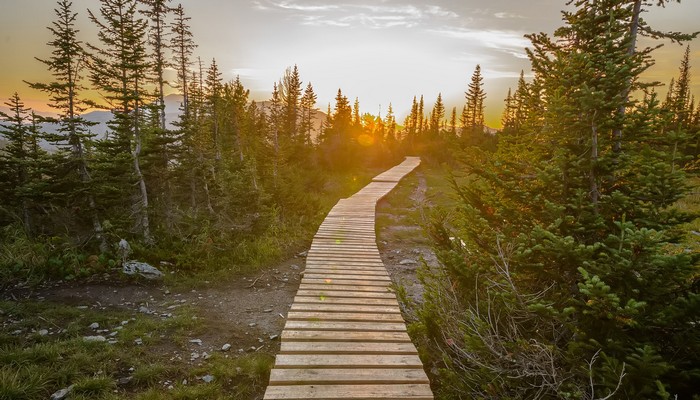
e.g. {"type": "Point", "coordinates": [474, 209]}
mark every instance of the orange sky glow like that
{"type": "Point", "coordinates": [381, 52]}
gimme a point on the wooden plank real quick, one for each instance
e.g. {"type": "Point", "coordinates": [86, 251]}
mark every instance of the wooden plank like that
{"type": "Point", "coordinates": [319, 261]}
{"type": "Point", "coordinates": [345, 326]}
{"type": "Point", "coordinates": [344, 288]}
{"type": "Point", "coordinates": [321, 294]}
{"type": "Point", "coordinates": [341, 276]}
{"type": "Point", "coordinates": [344, 300]}
{"type": "Point", "coordinates": [336, 281]}
{"type": "Point", "coordinates": [347, 361]}
{"type": "Point", "coordinates": [347, 260]}
{"type": "Point", "coordinates": [375, 273]}
{"type": "Point", "coordinates": [362, 336]}
{"type": "Point", "coordinates": [331, 308]}
{"type": "Point", "coordinates": [347, 348]}
{"type": "Point", "coordinates": [343, 316]}
{"type": "Point", "coordinates": [355, 392]}
{"type": "Point", "coordinates": [347, 376]}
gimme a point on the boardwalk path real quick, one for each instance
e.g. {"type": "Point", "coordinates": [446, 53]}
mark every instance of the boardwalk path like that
{"type": "Point", "coordinates": [345, 337]}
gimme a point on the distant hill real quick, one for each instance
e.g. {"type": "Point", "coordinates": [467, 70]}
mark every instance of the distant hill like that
{"type": "Point", "coordinates": [172, 112]}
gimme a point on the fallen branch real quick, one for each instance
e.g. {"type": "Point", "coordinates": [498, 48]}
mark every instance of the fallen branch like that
{"type": "Point", "coordinates": [256, 280]}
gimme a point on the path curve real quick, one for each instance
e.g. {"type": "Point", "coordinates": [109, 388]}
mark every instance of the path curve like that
{"type": "Point", "coordinates": [345, 337]}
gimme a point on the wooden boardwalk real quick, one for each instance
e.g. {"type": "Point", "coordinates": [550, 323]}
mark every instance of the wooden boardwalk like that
{"type": "Point", "coordinates": [345, 337]}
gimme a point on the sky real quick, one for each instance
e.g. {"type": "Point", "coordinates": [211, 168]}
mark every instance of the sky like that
{"type": "Point", "coordinates": [380, 51]}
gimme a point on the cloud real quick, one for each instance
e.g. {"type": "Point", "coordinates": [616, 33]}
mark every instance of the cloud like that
{"type": "Point", "coordinates": [381, 15]}
{"type": "Point", "coordinates": [495, 39]}
{"type": "Point", "coordinates": [507, 15]}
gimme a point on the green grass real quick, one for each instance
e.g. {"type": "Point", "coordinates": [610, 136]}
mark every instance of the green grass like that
{"type": "Point", "coordinates": [691, 204]}
{"type": "Point", "coordinates": [35, 366]}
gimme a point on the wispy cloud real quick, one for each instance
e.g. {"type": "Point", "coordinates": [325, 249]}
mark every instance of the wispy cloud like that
{"type": "Point", "coordinates": [508, 41]}
{"type": "Point", "coordinates": [380, 15]}
{"type": "Point", "coordinates": [507, 15]}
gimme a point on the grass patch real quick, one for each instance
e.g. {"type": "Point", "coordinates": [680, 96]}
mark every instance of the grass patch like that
{"type": "Point", "coordinates": [36, 365]}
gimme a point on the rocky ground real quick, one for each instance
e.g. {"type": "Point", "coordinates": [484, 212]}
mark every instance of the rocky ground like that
{"type": "Point", "coordinates": [241, 316]}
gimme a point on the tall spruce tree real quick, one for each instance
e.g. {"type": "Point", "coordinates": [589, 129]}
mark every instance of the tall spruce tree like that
{"type": "Point", "coordinates": [556, 270]}
{"type": "Point", "coordinates": [473, 114]}
{"type": "Point", "coordinates": [120, 70]}
{"type": "Point", "coordinates": [16, 160]}
{"type": "Point", "coordinates": [67, 64]}
{"type": "Point", "coordinates": [308, 106]}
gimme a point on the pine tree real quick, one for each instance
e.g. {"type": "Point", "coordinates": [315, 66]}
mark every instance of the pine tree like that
{"type": "Point", "coordinates": [24, 164]}
{"type": "Point", "coordinates": [213, 106]}
{"type": "Point", "coordinates": [453, 123]}
{"type": "Point", "coordinates": [473, 114]}
{"type": "Point", "coordinates": [558, 252]}
{"type": "Point", "coordinates": [182, 44]}
{"type": "Point", "coordinates": [437, 116]}
{"type": "Point", "coordinates": [290, 95]}
{"type": "Point", "coordinates": [120, 70]}
{"type": "Point", "coordinates": [308, 106]}
{"type": "Point", "coordinates": [276, 124]}
{"type": "Point", "coordinates": [390, 123]}
{"type": "Point", "coordinates": [67, 63]}
{"type": "Point", "coordinates": [680, 111]}
{"type": "Point", "coordinates": [157, 11]}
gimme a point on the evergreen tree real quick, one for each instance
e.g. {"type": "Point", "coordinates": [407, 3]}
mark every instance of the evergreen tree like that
{"type": "Point", "coordinates": [390, 123]}
{"type": "Point", "coordinates": [120, 68]}
{"type": "Point", "coordinates": [437, 116]}
{"type": "Point", "coordinates": [66, 65]}
{"type": "Point", "coordinates": [276, 124]}
{"type": "Point", "coordinates": [473, 114]}
{"type": "Point", "coordinates": [453, 122]}
{"type": "Point", "coordinates": [16, 160]}
{"type": "Point", "coordinates": [157, 11]}
{"type": "Point", "coordinates": [182, 44]}
{"type": "Point", "coordinates": [213, 105]}
{"type": "Point", "coordinates": [558, 254]}
{"type": "Point", "coordinates": [290, 94]}
{"type": "Point", "coordinates": [308, 106]}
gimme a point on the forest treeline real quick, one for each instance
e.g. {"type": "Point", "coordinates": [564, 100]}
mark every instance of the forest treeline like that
{"type": "Point", "coordinates": [231, 176]}
{"type": "Point", "coordinates": [560, 274]}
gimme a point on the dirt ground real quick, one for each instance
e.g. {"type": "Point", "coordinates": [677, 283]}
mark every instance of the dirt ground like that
{"type": "Point", "coordinates": [246, 312]}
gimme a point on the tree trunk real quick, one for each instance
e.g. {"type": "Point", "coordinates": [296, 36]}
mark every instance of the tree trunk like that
{"type": "Point", "coordinates": [594, 161]}
{"type": "Point", "coordinates": [634, 29]}
{"type": "Point", "coordinates": [145, 222]}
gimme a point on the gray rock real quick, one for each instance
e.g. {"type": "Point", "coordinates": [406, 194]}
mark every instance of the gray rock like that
{"type": "Point", "coordinates": [94, 325]}
{"type": "Point", "coordinates": [62, 394]}
{"type": "Point", "coordinates": [98, 338]}
{"type": "Point", "coordinates": [43, 332]}
{"type": "Point", "coordinates": [138, 341]}
{"type": "Point", "coordinates": [408, 262]}
{"type": "Point", "coordinates": [146, 270]}
{"type": "Point", "coordinates": [208, 378]}
{"type": "Point", "coordinates": [123, 250]}
{"type": "Point", "coordinates": [125, 380]}
{"type": "Point", "coordinates": [273, 337]}
{"type": "Point", "coordinates": [196, 341]}
{"type": "Point", "coordinates": [226, 347]}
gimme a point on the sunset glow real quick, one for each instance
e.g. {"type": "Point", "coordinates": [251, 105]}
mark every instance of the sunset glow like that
{"type": "Point", "coordinates": [380, 52]}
